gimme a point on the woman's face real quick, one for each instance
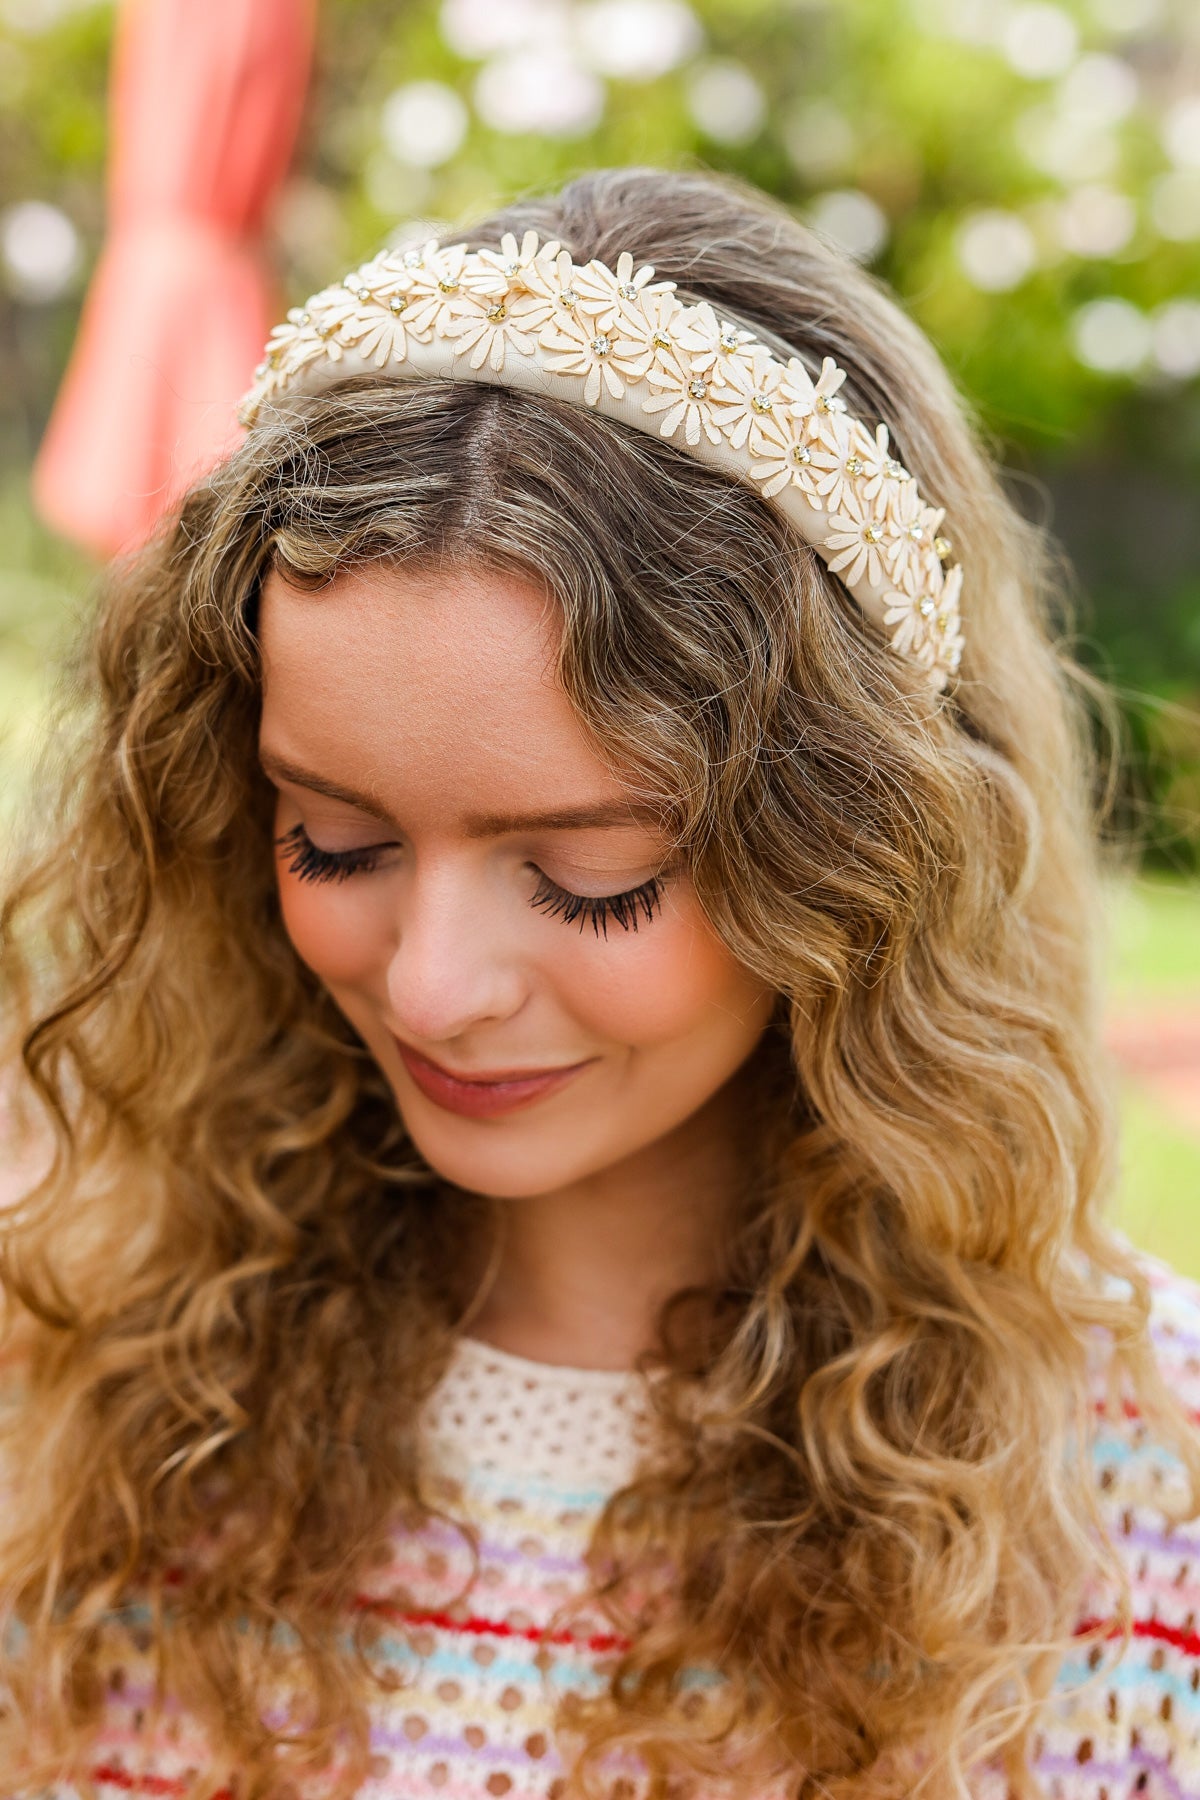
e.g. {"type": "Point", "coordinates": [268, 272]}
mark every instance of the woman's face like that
{"type": "Point", "coordinates": [431, 868]}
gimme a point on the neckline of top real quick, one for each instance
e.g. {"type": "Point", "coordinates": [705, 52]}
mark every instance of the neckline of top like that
{"type": "Point", "coordinates": [562, 1374]}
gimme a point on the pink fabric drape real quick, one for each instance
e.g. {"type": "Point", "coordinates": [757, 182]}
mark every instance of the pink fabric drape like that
{"type": "Point", "coordinates": [206, 102]}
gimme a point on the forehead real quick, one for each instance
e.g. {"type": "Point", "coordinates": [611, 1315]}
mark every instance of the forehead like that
{"type": "Point", "coordinates": [421, 677]}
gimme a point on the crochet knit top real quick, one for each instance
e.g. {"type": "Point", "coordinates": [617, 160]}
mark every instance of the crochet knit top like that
{"type": "Point", "coordinates": [530, 1451]}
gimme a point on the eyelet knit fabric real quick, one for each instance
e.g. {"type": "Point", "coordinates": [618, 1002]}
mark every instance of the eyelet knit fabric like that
{"type": "Point", "coordinates": [529, 1452]}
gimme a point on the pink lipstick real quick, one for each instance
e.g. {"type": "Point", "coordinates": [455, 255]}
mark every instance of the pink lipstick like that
{"type": "Point", "coordinates": [483, 1098]}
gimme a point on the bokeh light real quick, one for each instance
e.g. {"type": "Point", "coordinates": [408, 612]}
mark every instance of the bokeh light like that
{"type": "Point", "coordinates": [852, 221]}
{"type": "Point", "coordinates": [1039, 41]}
{"type": "Point", "coordinates": [424, 123]}
{"type": "Point", "coordinates": [1176, 338]}
{"type": "Point", "coordinates": [1096, 221]}
{"type": "Point", "coordinates": [996, 250]}
{"type": "Point", "coordinates": [726, 101]}
{"type": "Point", "coordinates": [41, 250]}
{"type": "Point", "coordinates": [636, 40]}
{"type": "Point", "coordinates": [1112, 336]}
{"type": "Point", "coordinates": [542, 90]}
{"type": "Point", "coordinates": [1175, 204]}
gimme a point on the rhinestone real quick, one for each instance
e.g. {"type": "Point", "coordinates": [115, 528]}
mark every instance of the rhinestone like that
{"type": "Point", "coordinates": [916, 533]}
{"type": "Point", "coordinates": [800, 453]}
{"type": "Point", "coordinates": [943, 546]}
{"type": "Point", "coordinates": [697, 389]}
{"type": "Point", "coordinates": [601, 345]}
{"type": "Point", "coordinates": [830, 403]}
{"type": "Point", "coordinates": [762, 403]}
{"type": "Point", "coordinates": [896, 470]}
{"type": "Point", "coordinates": [854, 465]}
{"type": "Point", "coordinates": [568, 297]}
{"type": "Point", "coordinates": [661, 341]}
{"type": "Point", "coordinates": [872, 534]}
{"type": "Point", "coordinates": [326, 328]}
{"type": "Point", "coordinates": [497, 312]}
{"type": "Point", "coordinates": [397, 304]}
{"type": "Point", "coordinates": [261, 369]}
{"type": "Point", "coordinates": [447, 287]}
{"type": "Point", "coordinates": [943, 623]}
{"type": "Point", "coordinates": [926, 606]}
{"type": "Point", "coordinates": [412, 259]}
{"type": "Point", "coordinates": [511, 269]}
{"type": "Point", "coordinates": [628, 290]}
{"type": "Point", "coordinates": [728, 339]}
{"type": "Point", "coordinates": [305, 318]}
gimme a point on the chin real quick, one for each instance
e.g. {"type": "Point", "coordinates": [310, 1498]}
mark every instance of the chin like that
{"type": "Point", "coordinates": [512, 1158]}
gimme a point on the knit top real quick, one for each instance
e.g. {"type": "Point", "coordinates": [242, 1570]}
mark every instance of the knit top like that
{"type": "Point", "coordinates": [530, 1451]}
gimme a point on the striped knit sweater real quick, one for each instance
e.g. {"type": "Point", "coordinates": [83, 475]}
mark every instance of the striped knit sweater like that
{"type": "Point", "coordinates": [529, 1452]}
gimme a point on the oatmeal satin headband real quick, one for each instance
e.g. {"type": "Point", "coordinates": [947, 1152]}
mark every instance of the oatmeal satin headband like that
{"type": "Point", "coordinates": [625, 345]}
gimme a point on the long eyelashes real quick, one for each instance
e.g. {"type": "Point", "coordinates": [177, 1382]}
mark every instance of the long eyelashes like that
{"type": "Point", "coordinates": [622, 908]}
{"type": "Point", "coordinates": [311, 864]}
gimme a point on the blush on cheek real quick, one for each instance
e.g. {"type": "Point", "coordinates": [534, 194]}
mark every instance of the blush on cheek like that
{"type": "Point", "coordinates": [685, 977]}
{"type": "Point", "coordinates": [328, 930]}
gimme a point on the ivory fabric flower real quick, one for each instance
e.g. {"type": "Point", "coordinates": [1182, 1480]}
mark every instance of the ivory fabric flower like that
{"type": "Point", "coordinates": [744, 395]}
{"type": "Point", "coordinates": [715, 346]}
{"type": "Point", "coordinates": [661, 318]}
{"type": "Point", "coordinates": [513, 268]}
{"type": "Point", "coordinates": [912, 558]}
{"type": "Point", "coordinates": [842, 464]}
{"type": "Point", "coordinates": [926, 626]}
{"type": "Point", "coordinates": [487, 331]}
{"type": "Point", "coordinates": [576, 347]}
{"type": "Point", "coordinates": [855, 536]}
{"type": "Point", "coordinates": [886, 479]}
{"type": "Point", "coordinates": [784, 458]}
{"type": "Point", "coordinates": [385, 338]}
{"type": "Point", "coordinates": [294, 343]}
{"type": "Point", "coordinates": [435, 278]}
{"type": "Point", "coordinates": [611, 294]}
{"type": "Point", "coordinates": [683, 398]}
{"type": "Point", "coordinates": [549, 296]}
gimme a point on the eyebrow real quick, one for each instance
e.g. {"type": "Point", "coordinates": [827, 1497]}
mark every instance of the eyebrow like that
{"type": "Point", "coordinates": [603, 814]}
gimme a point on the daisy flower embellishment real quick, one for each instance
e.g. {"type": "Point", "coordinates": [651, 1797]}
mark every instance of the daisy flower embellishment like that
{"type": "Point", "coordinates": [855, 536]}
{"type": "Point", "coordinates": [611, 294]}
{"type": "Point", "coordinates": [886, 477]}
{"type": "Point", "coordinates": [385, 336]}
{"type": "Point", "coordinates": [842, 466]}
{"type": "Point", "coordinates": [513, 267]}
{"type": "Point", "coordinates": [487, 331]}
{"type": "Point", "coordinates": [293, 343]}
{"type": "Point", "coordinates": [925, 626]}
{"type": "Point", "coordinates": [577, 346]}
{"type": "Point", "coordinates": [716, 346]}
{"type": "Point", "coordinates": [744, 396]}
{"type": "Point", "coordinates": [684, 399]}
{"type": "Point", "coordinates": [912, 544]}
{"type": "Point", "coordinates": [785, 458]}
{"type": "Point", "coordinates": [434, 279]}
{"type": "Point", "coordinates": [816, 403]}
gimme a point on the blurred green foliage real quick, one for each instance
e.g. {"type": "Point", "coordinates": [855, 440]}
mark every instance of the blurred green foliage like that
{"type": "Point", "coordinates": [1025, 175]}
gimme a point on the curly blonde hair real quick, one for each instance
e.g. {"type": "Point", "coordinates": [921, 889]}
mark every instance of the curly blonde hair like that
{"type": "Point", "coordinates": [233, 1282]}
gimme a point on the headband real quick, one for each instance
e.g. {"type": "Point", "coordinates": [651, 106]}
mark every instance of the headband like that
{"type": "Point", "coordinates": [625, 345]}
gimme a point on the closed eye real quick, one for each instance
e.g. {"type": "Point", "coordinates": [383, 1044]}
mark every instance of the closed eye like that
{"type": "Point", "coordinates": [309, 863]}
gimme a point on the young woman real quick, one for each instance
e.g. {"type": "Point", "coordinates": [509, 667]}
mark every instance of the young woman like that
{"type": "Point", "coordinates": [557, 1005]}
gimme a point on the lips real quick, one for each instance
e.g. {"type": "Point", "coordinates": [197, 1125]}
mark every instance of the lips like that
{"type": "Point", "coordinates": [484, 1097]}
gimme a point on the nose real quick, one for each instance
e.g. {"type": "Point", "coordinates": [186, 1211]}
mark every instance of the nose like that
{"type": "Point", "coordinates": [452, 968]}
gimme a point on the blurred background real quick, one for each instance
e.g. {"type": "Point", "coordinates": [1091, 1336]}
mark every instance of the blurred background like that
{"type": "Point", "coordinates": [1026, 176]}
